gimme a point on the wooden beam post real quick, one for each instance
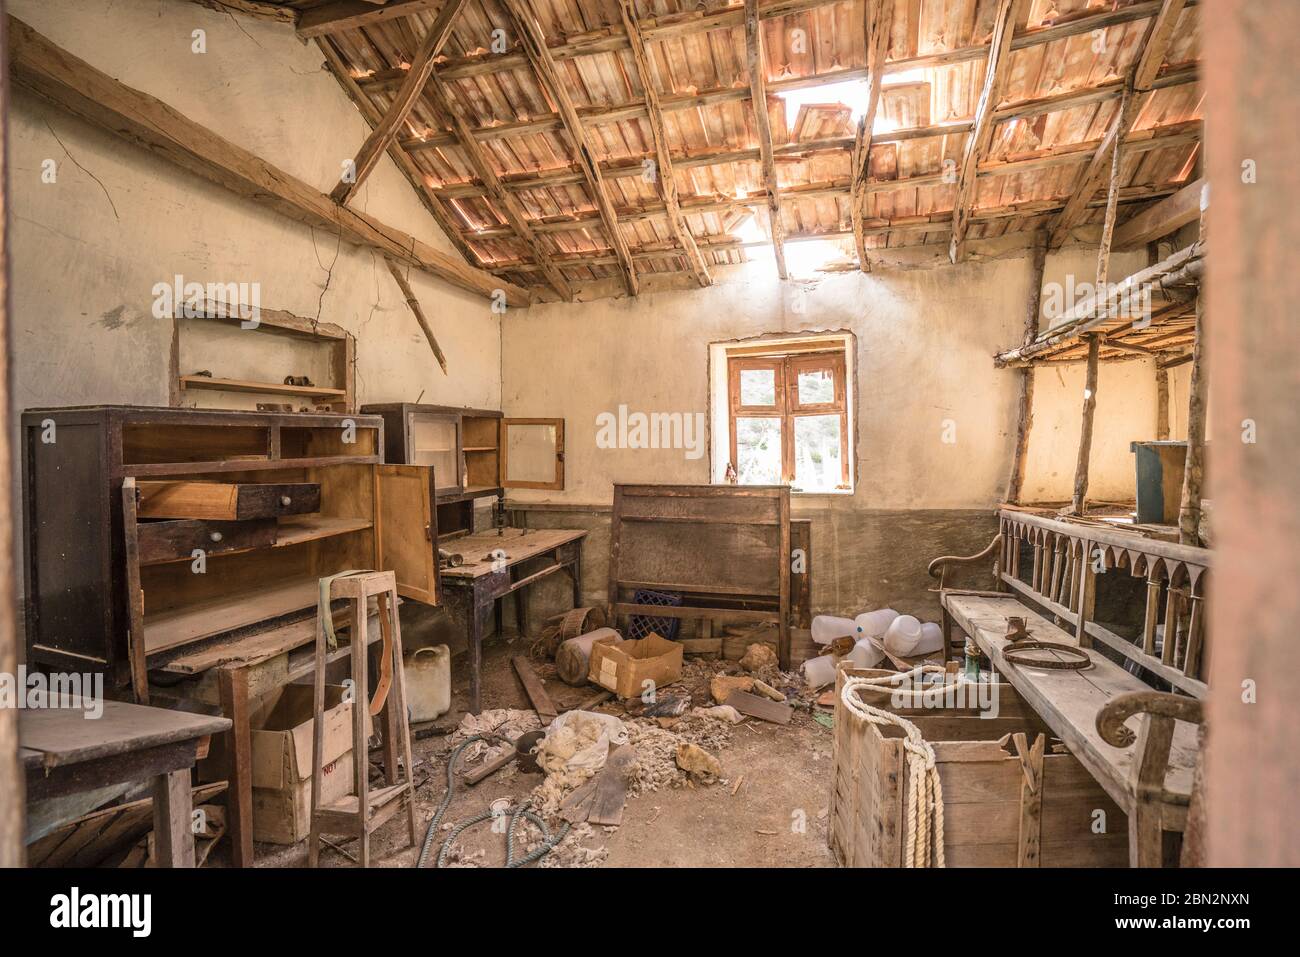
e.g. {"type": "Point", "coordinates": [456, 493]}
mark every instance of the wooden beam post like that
{"type": "Point", "coordinates": [1085, 431]}
{"type": "Point", "coordinates": [877, 18]}
{"type": "Point", "coordinates": [1112, 208]}
{"type": "Point", "coordinates": [1189, 509]}
{"type": "Point", "coordinates": [355, 14]}
{"type": "Point", "coordinates": [1025, 416]}
{"type": "Point", "coordinates": [665, 179]}
{"type": "Point", "coordinates": [414, 305]}
{"type": "Point", "coordinates": [384, 134]}
{"type": "Point", "coordinates": [12, 782]}
{"type": "Point", "coordinates": [977, 144]}
{"type": "Point", "coordinates": [763, 127]}
{"type": "Point", "coordinates": [509, 205]}
{"type": "Point", "coordinates": [556, 89]}
{"type": "Point", "coordinates": [1252, 765]}
{"type": "Point", "coordinates": [1162, 403]}
{"type": "Point", "coordinates": [42, 68]}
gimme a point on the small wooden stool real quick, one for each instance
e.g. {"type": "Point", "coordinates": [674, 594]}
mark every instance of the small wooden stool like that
{"type": "Point", "coordinates": [362, 812]}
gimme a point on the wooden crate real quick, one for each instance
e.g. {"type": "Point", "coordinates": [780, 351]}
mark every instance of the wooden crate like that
{"type": "Point", "coordinates": [985, 797]}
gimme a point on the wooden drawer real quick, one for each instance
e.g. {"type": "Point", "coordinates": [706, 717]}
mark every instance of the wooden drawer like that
{"type": "Point", "coordinates": [226, 501]}
{"type": "Point", "coordinates": [176, 540]}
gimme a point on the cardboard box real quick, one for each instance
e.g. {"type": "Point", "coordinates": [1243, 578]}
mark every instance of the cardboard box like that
{"type": "Point", "coordinates": [624, 666]}
{"type": "Point", "coordinates": [283, 815]}
{"type": "Point", "coordinates": [282, 760]}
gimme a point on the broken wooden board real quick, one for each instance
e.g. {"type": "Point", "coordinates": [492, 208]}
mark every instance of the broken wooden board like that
{"type": "Point", "coordinates": [762, 708]}
{"type": "Point", "coordinates": [577, 805]}
{"type": "Point", "coordinates": [535, 689]}
{"type": "Point", "coordinates": [611, 787]}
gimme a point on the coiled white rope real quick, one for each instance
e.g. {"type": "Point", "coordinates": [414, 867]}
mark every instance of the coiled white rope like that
{"type": "Point", "coordinates": [924, 841]}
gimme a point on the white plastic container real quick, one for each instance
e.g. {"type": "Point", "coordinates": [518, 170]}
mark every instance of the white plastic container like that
{"type": "Point", "coordinates": [428, 683]}
{"type": "Point", "coordinates": [903, 636]}
{"type": "Point", "coordinates": [819, 671]}
{"type": "Point", "coordinates": [865, 654]}
{"type": "Point", "coordinates": [931, 639]}
{"type": "Point", "coordinates": [826, 628]}
{"type": "Point", "coordinates": [874, 624]}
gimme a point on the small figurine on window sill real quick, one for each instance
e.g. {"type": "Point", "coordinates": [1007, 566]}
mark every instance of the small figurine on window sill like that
{"type": "Point", "coordinates": [732, 477]}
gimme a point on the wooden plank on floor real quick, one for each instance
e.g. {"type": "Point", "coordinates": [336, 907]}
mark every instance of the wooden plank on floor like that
{"type": "Point", "coordinates": [535, 689]}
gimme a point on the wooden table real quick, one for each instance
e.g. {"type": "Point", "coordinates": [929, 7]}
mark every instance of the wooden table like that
{"type": "Point", "coordinates": [233, 674]}
{"type": "Point", "coordinates": [492, 571]}
{"type": "Point", "coordinates": [65, 752]}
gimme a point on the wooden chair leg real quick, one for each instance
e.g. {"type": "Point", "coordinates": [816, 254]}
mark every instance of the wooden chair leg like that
{"type": "Point", "coordinates": [360, 711]}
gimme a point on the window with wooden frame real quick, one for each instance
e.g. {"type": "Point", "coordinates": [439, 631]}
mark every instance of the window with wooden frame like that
{"type": "Point", "coordinates": [789, 420]}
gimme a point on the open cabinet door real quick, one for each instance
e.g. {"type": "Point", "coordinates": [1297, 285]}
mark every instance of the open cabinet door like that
{"type": "Point", "coordinates": [406, 530]}
{"type": "Point", "coordinates": [532, 453]}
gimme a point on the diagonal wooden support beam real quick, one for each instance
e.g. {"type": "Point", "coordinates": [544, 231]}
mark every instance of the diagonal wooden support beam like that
{"type": "Point", "coordinates": [1166, 216]}
{"type": "Point", "coordinates": [1154, 47]}
{"type": "Point", "coordinates": [763, 126]}
{"type": "Point", "coordinates": [449, 220]}
{"type": "Point", "coordinates": [556, 89]}
{"type": "Point", "coordinates": [663, 156]}
{"type": "Point", "coordinates": [506, 202]}
{"type": "Point", "coordinates": [414, 305]}
{"type": "Point", "coordinates": [1010, 12]}
{"type": "Point", "coordinates": [877, 19]}
{"type": "Point", "coordinates": [383, 135]}
{"type": "Point", "coordinates": [44, 69]}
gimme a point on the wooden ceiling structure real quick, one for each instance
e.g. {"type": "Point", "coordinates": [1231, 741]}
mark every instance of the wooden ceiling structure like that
{"type": "Point", "coordinates": [560, 142]}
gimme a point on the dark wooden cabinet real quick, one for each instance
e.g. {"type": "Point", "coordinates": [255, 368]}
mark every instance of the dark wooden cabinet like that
{"type": "Point", "coordinates": [259, 506]}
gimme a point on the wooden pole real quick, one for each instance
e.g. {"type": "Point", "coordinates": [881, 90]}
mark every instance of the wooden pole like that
{"type": "Point", "coordinates": [1252, 764]}
{"type": "Point", "coordinates": [1085, 433]}
{"type": "Point", "coordinates": [12, 790]}
{"type": "Point", "coordinates": [1189, 511]}
{"type": "Point", "coordinates": [1162, 403]}
{"type": "Point", "coordinates": [1112, 207]}
{"type": "Point", "coordinates": [1025, 417]}
{"type": "Point", "coordinates": [414, 305]}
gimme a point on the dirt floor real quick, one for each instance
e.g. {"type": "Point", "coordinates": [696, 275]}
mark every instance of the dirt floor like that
{"type": "Point", "coordinates": [767, 809]}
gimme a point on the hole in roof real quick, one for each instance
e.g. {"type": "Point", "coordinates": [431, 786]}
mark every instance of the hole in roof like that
{"type": "Point", "coordinates": [851, 93]}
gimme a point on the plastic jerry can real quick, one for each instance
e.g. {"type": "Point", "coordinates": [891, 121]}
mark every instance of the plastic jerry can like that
{"type": "Point", "coordinates": [428, 683]}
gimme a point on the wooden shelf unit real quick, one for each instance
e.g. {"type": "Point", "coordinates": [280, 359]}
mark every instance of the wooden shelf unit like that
{"type": "Point", "coordinates": [340, 397]}
{"type": "Point", "coordinates": [103, 595]}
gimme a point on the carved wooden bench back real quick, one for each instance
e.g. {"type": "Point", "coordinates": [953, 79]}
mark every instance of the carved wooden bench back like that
{"type": "Point", "coordinates": [1067, 558]}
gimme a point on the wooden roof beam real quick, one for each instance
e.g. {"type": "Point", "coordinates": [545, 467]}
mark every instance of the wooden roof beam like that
{"type": "Point", "coordinates": [763, 128]}
{"type": "Point", "coordinates": [977, 145]}
{"type": "Point", "coordinates": [251, 8]}
{"type": "Point", "coordinates": [877, 18]}
{"type": "Point", "coordinates": [1165, 217]}
{"type": "Point", "coordinates": [922, 224]}
{"type": "Point", "coordinates": [39, 66]}
{"type": "Point", "coordinates": [665, 177]}
{"type": "Point", "coordinates": [451, 223]}
{"type": "Point", "coordinates": [506, 202]}
{"type": "Point", "coordinates": [1154, 48]}
{"type": "Point", "coordinates": [556, 89]}
{"type": "Point", "coordinates": [385, 133]}
{"type": "Point", "coordinates": [355, 14]}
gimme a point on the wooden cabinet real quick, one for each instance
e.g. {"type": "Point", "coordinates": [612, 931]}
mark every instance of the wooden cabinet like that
{"type": "Point", "coordinates": [150, 530]}
{"type": "Point", "coordinates": [476, 452]}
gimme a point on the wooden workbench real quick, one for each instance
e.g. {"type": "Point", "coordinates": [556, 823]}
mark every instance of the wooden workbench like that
{"type": "Point", "coordinates": [63, 751]}
{"type": "Point", "coordinates": [492, 570]}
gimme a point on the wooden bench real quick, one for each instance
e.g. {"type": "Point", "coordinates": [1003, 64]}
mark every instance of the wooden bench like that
{"type": "Point", "coordinates": [1046, 571]}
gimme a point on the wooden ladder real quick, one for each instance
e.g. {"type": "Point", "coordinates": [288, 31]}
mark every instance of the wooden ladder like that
{"type": "Point", "coordinates": [362, 812]}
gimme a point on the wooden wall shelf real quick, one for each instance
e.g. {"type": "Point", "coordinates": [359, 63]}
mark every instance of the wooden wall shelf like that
{"type": "Point", "coordinates": [261, 388]}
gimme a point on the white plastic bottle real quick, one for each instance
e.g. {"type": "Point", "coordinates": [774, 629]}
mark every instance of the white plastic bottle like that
{"type": "Point", "coordinates": [826, 628]}
{"type": "Point", "coordinates": [874, 624]}
{"type": "Point", "coordinates": [903, 636]}
{"type": "Point", "coordinates": [931, 639]}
